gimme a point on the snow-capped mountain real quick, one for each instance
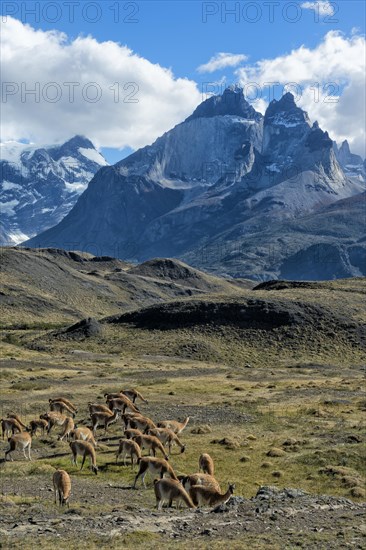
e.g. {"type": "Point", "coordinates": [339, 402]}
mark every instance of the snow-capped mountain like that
{"type": "Point", "coordinates": [40, 185]}
{"type": "Point", "coordinates": [224, 175]}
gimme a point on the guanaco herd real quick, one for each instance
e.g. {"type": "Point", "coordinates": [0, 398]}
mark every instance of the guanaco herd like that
{"type": "Point", "coordinates": [140, 433]}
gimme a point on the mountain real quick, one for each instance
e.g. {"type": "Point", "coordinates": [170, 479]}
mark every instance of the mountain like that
{"type": "Point", "coordinates": [224, 175]}
{"type": "Point", "coordinates": [353, 165]}
{"type": "Point", "coordinates": [40, 185]}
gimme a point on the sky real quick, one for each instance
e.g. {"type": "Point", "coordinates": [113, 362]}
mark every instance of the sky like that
{"type": "Point", "coordinates": [122, 73]}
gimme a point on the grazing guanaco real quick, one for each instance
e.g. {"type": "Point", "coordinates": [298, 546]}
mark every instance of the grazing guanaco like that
{"type": "Point", "coordinates": [85, 433]}
{"type": "Point", "coordinates": [103, 419]}
{"type": "Point", "coordinates": [128, 447]}
{"type": "Point", "coordinates": [126, 417]}
{"type": "Point", "coordinates": [152, 443]}
{"type": "Point", "coordinates": [156, 466]}
{"type": "Point", "coordinates": [38, 423]}
{"type": "Point", "coordinates": [206, 496]}
{"type": "Point", "coordinates": [174, 425]}
{"type": "Point", "coordinates": [67, 427]}
{"type": "Point", "coordinates": [96, 407]}
{"type": "Point", "coordinates": [61, 407]}
{"type": "Point", "coordinates": [66, 401]}
{"type": "Point", "coordinates": [167, 437]}
{"type": "Point", "coordinates": [133, 394]}
{"type": "Point", "coordinates": [17, 418]}
{"type": "Point", "coordinates": [10, 425]}
{"type": "Point", "coordinates": [84, 449]}
{"type": "Point", "coordinates": [200, 479]}
{"type": "Point", "coordinates": [142, 423]}
{"type": "Point", "coordinates": [171, 490]}
{"type": "Point", "coordinates": [121, 403]}
{"type": "Point", "coordinates": [130, 433]}
{"type": "Point", "coordinates": [22, 441]}
{"type": "Point", "coordinates": [54, 419]}
{"type": "Point", "coordinates": [62, 487]}
{"type": "Point", "coordinates": [206, 464]}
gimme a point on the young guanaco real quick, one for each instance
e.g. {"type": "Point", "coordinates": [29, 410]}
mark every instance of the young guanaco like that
{"type": "Point", "coordinates": [121, 403]}
{"type": "Point", "coordinates": [38, 423]}
{"type": "Point", "coordinates": [167, 437]}
{"type": "Point", "coordinates": [169, 490]}
{"type": "Point", "coordinates": [207, 496]}
{"type": "Point", "coordinates": [128, 447]}
{"type": "Point", "coordinates": [200, 479]}
{"type": "Point", "coordinates": [10, 425]}
{"type": "Point", "coordinates": [174, 425]}
{"type": "Point", "coordinates": [17, 418]}
{"type": "Point", "coordinates": [133, 394]}
{"type": "Point", "coordinates": [67, 427]}
{"type": "Point", "coordinates": [84, 449]}
{"type": "Point", "coordinates": [103, 419]}
{"type": "Point", "coordinates": [85, 433]}
{"type": "Point", "coordinates": [156, 466]}
{"type": "Point", "coordinates": [66, 401]}
{"type": "Point", "coordinates": [97, 407]}
{"type": "Point", "coordinates": [206, 464]}
{"type": "Point", "coordinates": [152, 443]}
{"type": "Point", "coordinates": [54, 419]}
{"type": "Point", "coordinates": [62, 487]}
{"type": "Point", "coordinates": [22, 441]}
{"type": "Point", "coordinates": [61, 407]}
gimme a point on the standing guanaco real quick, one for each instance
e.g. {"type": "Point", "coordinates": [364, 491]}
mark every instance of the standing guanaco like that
{"type": "Point", "coordinates": [128, 447]}
{"type": "Point", "coordinates": [97, 407]}
{"type": "Point", "coordinates": [133, 394]}
{"type": "Point", "coordinates": [121, 403]}
{"type": "Point", "coordinates": [167, 437]}
{"type": "Point", "coordinates": [67, 427]}
{"type": "Point", "coordinates": [103, 419]}
{"type": "Point", "coordinates": [200, 479]}
{"type": "Point", "coordinates": [170, 490]}
{"type": "Point", "coordinates": [84, 449]}
{"type": "Point", "coordinates": [17, 418]}
{"type": "Point", "coordinates": [62, 487]}
{"type": "Point", "coordinates": [156, 466]}
{"type": "Point", "coordinates": [152, 443]}
{"type": "Point", "coordinates": [10, 425]}
{"type": "Point", "coordinates": [66, 401]}
{"type": "Point", "coordinates": [85, 433]}
{"type": "Point", "coordinates": [55, 419]}
{"type": "Point", "coordinates": [206, 464]}
{"type": "Point", "coordinates": [61, 407]}
{"type": "Point", "coordinates": [131, 432]}
{"type": "Point", "coordinates": [207, 496]}
{"type": "Point", "coordinates": [38, 423]}
{"type": "Point", "coordinates": [174, 425]}
{"type": "Point", "coordinates": [142, 423]}
{"type": "Point", "coordinates": [22, 441]}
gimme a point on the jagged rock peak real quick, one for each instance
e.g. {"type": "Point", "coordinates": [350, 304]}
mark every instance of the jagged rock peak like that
{"type": "Point", "coordinates": [231, 102]}
{"type": "Point", "coordinates": [285, 112]}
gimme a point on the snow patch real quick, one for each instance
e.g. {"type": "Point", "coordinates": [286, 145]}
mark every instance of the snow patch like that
{"type": "Point", "coordinates": [93, 155]}
{"type": "Point", "coordinates": [8, 185]}
{"type": "Point", "coordinates": [8, 207]}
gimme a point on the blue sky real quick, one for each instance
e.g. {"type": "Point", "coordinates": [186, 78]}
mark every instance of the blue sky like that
{"type": "Point", "coordinates": [181, 36]}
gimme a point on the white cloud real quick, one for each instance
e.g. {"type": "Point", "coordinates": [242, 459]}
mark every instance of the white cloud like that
{"type": "Point", "coordinates": [322, 7]}
{"type": "Point", "coordinates": [34, 59]}
{"type": "Point", "coordinates": [335, 67]}
{"type": "Point", "coordinates": [222, 61]}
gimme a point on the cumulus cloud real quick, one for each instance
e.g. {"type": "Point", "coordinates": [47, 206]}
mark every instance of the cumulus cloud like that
{"type": "Point", "coordinates": [322, 7]}
{"type": "Point", "coordinates": [328, 81]}
{"type": "Point", "coordinates": [54, 88]}
{"type": "Point", "coordinates": [221, 61]}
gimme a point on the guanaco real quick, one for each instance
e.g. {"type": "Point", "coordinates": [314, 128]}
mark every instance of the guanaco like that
{"type": "Point", "coordinates": [38, 423]}
{"type": "Point", "coordinates": [156, 466]}
{"type": "Point", "coordinates": [200, 479]}
{"type": "Point", "coordinates": [142, 423]}
{"type": "Point", "coordinates": [83, 433]}
{"type": "Point", "coordinates": [103, 419]}
{"type": "Point", "coordinates": [128, 447]}
{"type": "Point", "coordinates": [22, 441]}
{"type": "Point", "coordinates": [54, 419]}
{"type": "Point", "coordinates": [84, 449]}
{"type": "Point", "coordinates": [174, 425]}
{"type": "Point", "coordinates": [62, 487]}
{"type": "Point", "coordinates": [171, 490]}
{"type": "Point", "coordinates": [97, 407]}
{"type": "Point", "coordinates": [126, 417]}
{"type": "Point", "coordinates": [206, 496]}
{"type": "Point", "coordinates": [152, 443]}
{"type": "Point", "coordinates": [61, 407]}
{"type": "Point", "coordinates": [66, 401]}
{"type": "Point", "coordinates": [206, 464]}
{"type": "Point", "coordinates": [17, 418]}
{"type": "Point", "coordinates": [131, 432]}
{"type": "Point", "coordinates": [67, 427]}
{"type": "Point", "coordinates": [10, 425]}
{"type": "Point", "coordinates": [167, 437]}
{"type": "Point", "coordinates": [121, 403]}
{"type": "Point", "coordinates": [133, 394]}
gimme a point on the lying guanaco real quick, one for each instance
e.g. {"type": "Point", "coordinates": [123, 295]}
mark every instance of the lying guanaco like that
{"type": "Point", "coordinates": [152, 443]}
{"type": "Point", "coordinates": [103, 419]}
{"type": "Point", "coordinates": [174, 425]}
{"type": "Point", "coordinates": [200, 479]}
{"type": "Point", "coordinates": [22, 441]}
{"type": "Point", "coordinates": [17, 418]}
{"type": "Point", "coordinates": [167, 437]}
{"type": "Point", "coordinates": [206, 464]}
{"type": "Point", "coordinates": [96, 407]}
{"type": "Point", "coordinates": [38, 423]}
{"type": "Point", "coordinates": [61, 407]}
{"type": "Point", "coordinates": [206, 496]}
{"type": "Point", "coordinates": [83, 433]}
{"type": "Point", "coordinates": [10, 425]}
{"type": "Point", "coordinates": [133, 394]}
{"type": "Point", "coordinates": [84, 449]}
{"type": "Point", "coordinates": [66, 401]}
{"type": "Point", "coordinates": [128, 447]}
{"type": "Point", "coordinates": [156, 466]}
{"type": "Point", "coordinates": [62, 487]}
{"type": "Point", "coordinates": [170, 490]}
{"type": "Point", "coordinates": [142, 423]}
{"type": "Point", "coordinates": [131, 432]}
{"type": "Point", "coordinates": [67, 427]}
{"type": "Point", "coordinates": [121, 403]}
